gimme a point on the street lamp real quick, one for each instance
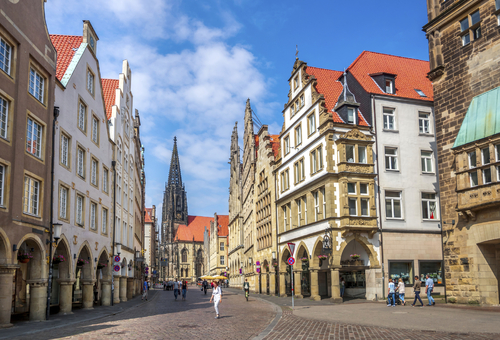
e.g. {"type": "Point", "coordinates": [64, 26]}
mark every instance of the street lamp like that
{"type": "Point", "coordinates": [274, 255]}
{"type": "Point", "coordinates": [118, 249]}
{"type": "Point", "coordinates": [137, 254]}
{"type": "Point", "coordinates": [57, 231]}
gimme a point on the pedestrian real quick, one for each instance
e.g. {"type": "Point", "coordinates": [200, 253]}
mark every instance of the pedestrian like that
{"type": "Point", "coordinates": [401, 291]}
{"type": "Point", "coordinates": [216, 297]}
{"type": "Point", "coordinates": [416, 289]}
{"type": "Point", "coordinates": [429, 287]}
{"type": "Point", "coordinates": [176, 289]}
{"type": "Point", "coordinates": [96, 293]}
{"type": "Point", "coordinates": [145, 292]}
{"type": "Point", "coordinates": [205, 286]}
{"type": "Point", "coordinates": [342, 287]}
{"type": "Point", "coordinates": [391, 294]}
{"type": "Point", "coordinates": [184, 289]}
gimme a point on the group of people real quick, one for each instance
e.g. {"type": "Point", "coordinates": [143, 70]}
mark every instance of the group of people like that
{"type": "Point", "coordinates": [417, 286]}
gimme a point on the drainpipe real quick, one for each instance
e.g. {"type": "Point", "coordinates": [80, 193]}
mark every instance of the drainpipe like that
{"type": "Point", "coordinates": [49, 285]}
{"type": "Point", "coordinates": [378, 194]}
{"type": "Point", "coordinates": [113, 164]}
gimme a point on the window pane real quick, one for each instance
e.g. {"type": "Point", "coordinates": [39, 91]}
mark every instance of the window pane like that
{"type": "Point", "coordinates": [403, 270]}
{"type": "Point", "coordinates": [388, 208]}
{"type": "Point", "coordinates": [351, 188]}
{"type": "Point", "coordinates": [350, 153]}
{"type": "Point", "coordinates": [428, 196]}
{"type": "Point", "coordinates": [464, 24]}
{"type": "Point", "coordinates": [362, 154]}
{"type": "Point", "coordinates": [466, 39]}
{"type": "Point", "coordinates": [2, 171]}
{"type": "Point", "coordinates": [363, 188]}
{"type": "Point", "coordinates": [393, 194]}
{"type": "Point", "coordinates": [486, 176]}
{"type": "Point", "coordinates": [397, 209]}
{"type": "Point", "coordinates": [497, 147]}
{"type": "Point", "coordinates": [475, 18]}
{"type": "Point", "coordinates": [473, 179]}
{"type": "Point", "coordinates": [350, 116]}
{"type": "Point", "coordinates": [486, 155]}
{"type": "Point", "coordinates": [472, 159]}
{"type": "Point", "coordinates": [352, 206]}
{"type": "Point", "coordinates": [433, 269]}
{"type": "Point", "coordinates": [5, 51]}
{"type": "Point", "coordinates": [4, 111]}
{"type": "Point", "coordinates": [364, 207]}
{"type": "Point", "coordinates": [497, 4]}
{"type": "Point", "coordinates": [425, 210]}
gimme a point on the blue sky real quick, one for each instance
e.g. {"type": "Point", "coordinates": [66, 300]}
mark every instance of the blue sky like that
{"type": "Point", "coordinates": [194, 64]}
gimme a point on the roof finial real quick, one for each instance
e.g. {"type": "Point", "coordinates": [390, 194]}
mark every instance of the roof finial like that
{"type": "Point", "coordinates": [297, 52]}
{"type": "Point", "coordinates": [345, 86]}
{"type": "Point", "coordinates": [175, 139]}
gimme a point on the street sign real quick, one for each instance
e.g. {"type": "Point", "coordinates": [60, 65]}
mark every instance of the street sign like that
{"type": "Point", "coordinates": [291, 261]}
{"type": "Point", "coordinates": [117, 268]}
{"type": "Point", "coordinates": [117, 258]}
{"type": "Point", "coordinates": [291, 247]}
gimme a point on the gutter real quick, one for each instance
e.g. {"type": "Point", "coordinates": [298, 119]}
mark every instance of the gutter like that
{"type": "Point", "coordinates": [113, 165]}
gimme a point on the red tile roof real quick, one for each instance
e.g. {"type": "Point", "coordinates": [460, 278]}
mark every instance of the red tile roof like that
{"type": "Point", "coordinates": [66, 47]}
{"type": "Point", "coordinates": [223, 221]}
{"type": "Point", "coordinates": [195, 228]}
{"type": "Point", "coordinates": [147, 217]}
{"type": "Point", "coordinates": [109, 87]}
{"type": "Point", "coordinates": [410, 74]}
{"type": "Point", "coordinates": [329, 87]}
{"type": "Point", "coordinates": [275, 143]}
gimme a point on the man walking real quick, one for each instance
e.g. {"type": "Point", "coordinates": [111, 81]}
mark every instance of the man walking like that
{"type": "Point", "coordinates": [391, 294]}
{"type": "Point", "coordinates": [416, 289]}
{"type": "Point", "coordinates": [176, 288]}
{"type": "Point", "coordinates": [429, 287]}
{"type": "Point", "coordinates": [145, 292]}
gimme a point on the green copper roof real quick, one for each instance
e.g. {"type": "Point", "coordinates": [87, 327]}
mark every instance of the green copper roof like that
{"type": "Point", "coordinates": [482, 119]}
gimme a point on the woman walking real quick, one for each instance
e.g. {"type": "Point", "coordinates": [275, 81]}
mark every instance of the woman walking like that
{"type": "Point", "coordinates": [184, 289]}
{"type": "Point", "coordinates": [216, 297]}
{"type": "Point", "coordinates": [401, 291]}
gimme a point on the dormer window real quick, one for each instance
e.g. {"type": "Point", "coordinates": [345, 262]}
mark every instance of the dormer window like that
{"type": "Point", "coordinates": [351, 116]}
{"type": "Point", "coordinates": [420, 93]}
{"type": "Point", "coordinates": [389, 86]}
{"type": "Point", "coordinates": [295, 82]}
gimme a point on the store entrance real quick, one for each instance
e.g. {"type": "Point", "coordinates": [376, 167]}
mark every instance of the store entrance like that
{"type": "Point", "coordinates": [355, 283]}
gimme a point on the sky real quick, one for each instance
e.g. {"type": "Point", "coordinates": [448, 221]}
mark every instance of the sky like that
{"type": "Point", "coordinates": [195, 63]}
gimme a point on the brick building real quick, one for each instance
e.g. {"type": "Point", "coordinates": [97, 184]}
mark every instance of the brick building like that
{"type": "Point", "coordinates": [464, 53]}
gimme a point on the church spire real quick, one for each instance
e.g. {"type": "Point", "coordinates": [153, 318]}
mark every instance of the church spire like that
{"type": "Point", "coordinates": [174, 176]}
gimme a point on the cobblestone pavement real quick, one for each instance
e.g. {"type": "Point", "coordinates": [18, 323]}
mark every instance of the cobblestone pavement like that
{"type": "Point", "coordinates": [165, 318]}
{"type": "Point", "coordinates": [294, 327]}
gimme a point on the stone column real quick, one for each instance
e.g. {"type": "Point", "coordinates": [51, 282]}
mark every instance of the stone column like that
{"type": "Point", "coordinates": [336, 286]}
{"type": "Point", "coordinates": [106, 292]}
{"type": "Point", "coordinates": [88, 294]}
{"type": "Point", "coordinates": [65, 295]}
{"type": "Point", "coordinates": [123, 288]}
{"type": "Point", "coordinates": [314, 284]}
{"type": "Point", "coordinates": [6, 273]}
{"type": "Point", "coordinates": [296, 283]}
{"type": "Point", "coordinates": [282, 288]}
{"type": "Point", "coordinates": [116, 292]}
{"type": "Point", "coordinates": [272, 283]}
{"type": "Point", "coordinates": [130, 287]}
{"type": "Point", "coordinates": [38, 299]}
{"type": "Point", "coordinates": [263, 283]}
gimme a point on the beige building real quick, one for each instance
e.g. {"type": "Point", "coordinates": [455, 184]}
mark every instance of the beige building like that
{"type": "Point", "coordinates": [218, 247]}
{"type": "Point", "coordinates": [150, 243]}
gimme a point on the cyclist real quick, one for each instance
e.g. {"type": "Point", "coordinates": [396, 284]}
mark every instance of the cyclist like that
{"type": "Point", "coordinates": [246, 288]}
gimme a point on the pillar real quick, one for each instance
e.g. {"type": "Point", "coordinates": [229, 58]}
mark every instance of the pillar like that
{"type": "Point", "coordinates": [264, 283]}
{"type": "Point", "coordinates": [6, 273]}
{"type": "Point", "coordinates": [130, 287]}
{"type": "Point", "coordinates": [282, 288]}
{"type": "Point", "coordinates": [106, 293]}
{"type": "Point", "coordinates": [38, 299]}
{"type": "Point", "coordinates": [88, 294]}
{"type": "Point", "coordinates": [123, 288]}
{"type": "Point", "coordinates": [65, 295]}
{"type": "Point", "coordinates": [116, 291]}
{"type": "Point", "coordinates": [297, 284]}
{"type": "Point", "coordinates": [314, 284]}
{"type": "Point", "coordinates": [272, 283]}
{"type": "Point", "coordinates": [336, 286]}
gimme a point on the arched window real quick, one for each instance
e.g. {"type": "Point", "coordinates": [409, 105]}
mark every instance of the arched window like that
{"type": "Point", "coordinates": [184, 255]}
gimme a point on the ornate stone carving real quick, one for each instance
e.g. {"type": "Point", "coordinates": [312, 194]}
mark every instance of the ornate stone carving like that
{"type": "Point", "coordinates": [74, 239]}
{"type": "Point", "coordinates": [355, 134]}
{"type": "Point", "coordinates": [96, 246]}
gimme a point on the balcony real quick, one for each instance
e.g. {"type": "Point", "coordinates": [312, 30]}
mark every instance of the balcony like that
{"type": "Point", "coordinates": [358, 223]}
{"type": "Point", "coordinates": [477, 198]}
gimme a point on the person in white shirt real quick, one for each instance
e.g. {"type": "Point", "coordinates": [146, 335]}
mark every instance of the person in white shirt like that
{"type": "Point", "coordinates": [401, 291]}
{"type": "Point", "coordinates": [176, 289]}
{"type": "Point", "coordinates": [216, 297]}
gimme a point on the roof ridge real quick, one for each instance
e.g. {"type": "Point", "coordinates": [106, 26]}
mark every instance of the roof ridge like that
{"type": "Point", "coordinates": [322, 68]}
{"type": "Point", "coordinates": [66, 35]}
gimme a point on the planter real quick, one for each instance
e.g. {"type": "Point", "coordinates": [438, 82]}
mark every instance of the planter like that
{"type": "Point", "coordinates": [24, 260]}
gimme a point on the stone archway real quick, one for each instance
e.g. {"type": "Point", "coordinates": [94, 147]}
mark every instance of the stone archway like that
{"type": "Point", "coordinates": [285, 274]}
{"type": "Point", "coordinates": [7, 270]}
{"type": "Point", "coordinates": [103, 279]}
{"type": "Point", "coordinates": [320, 272]}
{"type": "Point", "coordinates": [63, 280]}
{"type": "Point", "coordinates": [84, 275]}
{"type": "Point", "coordinates": [302, 279]}
{"type": "Point", "coordinates": [265, 276]}
{"type": "Point", "coordinates": [31, 278]}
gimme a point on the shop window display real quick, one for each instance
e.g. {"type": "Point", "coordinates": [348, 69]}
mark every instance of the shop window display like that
{"type": "Point", "coordinates": [355, 279]}
{"type": "Point", "coordinates": [434, 269]}
{"type": "Point", "coordinates": [403, 270]}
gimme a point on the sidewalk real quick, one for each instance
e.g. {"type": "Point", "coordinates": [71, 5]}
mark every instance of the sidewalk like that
{"type": "Point", "coordinates": [79, 315]}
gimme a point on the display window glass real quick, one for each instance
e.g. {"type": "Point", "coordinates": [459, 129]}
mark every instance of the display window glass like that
{"type": "Point", "coordinates": [403, 270]}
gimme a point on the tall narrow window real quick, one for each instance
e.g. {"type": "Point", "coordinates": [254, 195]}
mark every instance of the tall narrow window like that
{"type": "Point", "coordinates": [429, 205]}
{"type": "Point", "coordinates": [362, 154]}
{"type": "Point", "coordinates": [426, 161]}
{"type": "Point", "coordinates": [312, 123]}
{"type": "Point", "coordinates": [389, 86]}
{"type": "Point", "coordinates": [124, 233]}
{"type": "Point", "coordinates": [320, 158]}
{"type": "Point", "coordinates": [324, 201]}
{"type": "Point", "coordinates": [393, 204]}
{"type": "Point", "coordinates": [82, 114]}
{"type": "Point", "coordinates": [485, 155]}
{"type": "Point", "coordinates": [298, 135]}
{"type": "Point", "coordinates": [299, 211]}
{"type": "Point", "coordinates": [471, 156]}
{"type": "Point", "coordinates": [81, 163]}
{"type": "Point", "coordinates": [349, 153]}
{"type": "Point", "coordinates": [316, 205]}
{"type": "Point", "coordinates": [475, 19]}
{"type": "Point", "coordinates": [5, 56]}
{"type": "Point", "coordinates": [473, 178]}
{"type": "Point", "coordinates": [79, 209]}
{"type": "Point", "coordinates": [296, 172]}
{"type": "Point", "coordinates": [486, 175]}
{"type": "Point", "coordinates": [353, 211]}
{"type": "Point", "coordinates": [104, 221]}
{"type": "Point", "coordinates": [90, 82]}
{"type": "Point", "coordinates": [221, 246]}
{"type": "Point", "coordinates": [305, 209]}
{"type": "Point", "coordinates": [65, 150]}
{"type": "Point", "coordinates": [389, 120]}
{"type": "Point", "coordinates": [95, 130]}
{"type": "Point", "coordinates": [364, 207]}
{"type": "Point", "coordinates": [63, 203]}
{"type": "Point", "coordinates": [93, 216]}
{"type": "Point", "coordinates": [314, 161]}
{"type": "Point", "coordinates": [424, 123]}
{"type": "Point", "coordinates": [301, 170]}
{"type": "Point", "coordinates": [105, 176]}
{"type": "Point", "coordinates": [94, 175]}
{"type": "Point", "coordinates": [222, 260]}
{"type": "Point", "coordinates": [287, 145]}
{"type": "Point", "coordinates": [285, 221]}
{"type": "Point", "coordinates": [4, 116]}
{"type": "Point", "coordinates": [31, 196]}
{"type": "Point", "coordinates": [363, 189]}
{"type": "Point", "coordinates": [351, 116]}
{"type": "Point", "coordinates": [391, 158]}
{"type": "Point", "coordinates": [302, 101]}
{"type": "Point", "coordinates": [2, 181]}
{"type": "Point", "coordinates": [497, 148]}
{"type": "Point", "coordinates": [36, 85]}
{"type": "Point", "coordinates": [34, 138]}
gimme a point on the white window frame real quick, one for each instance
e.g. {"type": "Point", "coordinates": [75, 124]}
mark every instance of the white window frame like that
{"type": "Point", "coordinates": [80, 206]}
{"type": "Point", "coordinates": [65, 145]}
{"type": "Point", "coordinates": [4, 117]}
{"type": "Point", "coordinates": [298, 135]}
{"type": "Point", "coordinates": [90, 82]}
{"type": "Point", "coordinates": [367, 200]}
{"type": "Point", "coordinates": [389, 158]}
{"type": "Point", "coordinates": [324, 201]}
{"type": "Point", "coordinates": [394, 199]}
{"type": "Point", "coordinates": [426, 161]}
{"type": "Point", "coordinates": [63, 202]}
{"type": "Point", "coordinates": [483, 173]}
{"type": "Point", "coordinates": [497, 151]}
{"type": "Point", "coordinates": [389, 89]}
{"type": "Point", "coordinates": [5, 56]}
{"type": "Point", "coordinates": [487, 151]}
{"type": "Point", "coordinates": [305, 209]}
{"type": "Point", "coordinates": [286, 141]}
{"type": "Point", "coordinates": [312, 123]}
{"type": "Point", "coordinates": [316, 205]}
{"type": "Point", "coordinates": [472, 185]}
{"type": "Point", "coordinates": [389, 118]}
{"type": "Point", "coordinates": [364, 148]}
{"type": "Point", "coordinates": [32, 196]}
{"type": "Point", "coordinates": [80, 162]}
{"type": "Point", "coordinates": [93, 216]}
{"type": "Point", "coordinates": [82, 116]}
{"type": "Point", "coordinates": [427, 202]}
{"type": "Point", "coordinates": [36, 85]}
{"type": "Point", "coordinates": [314, 161]}
{"type": "Point", "coordinates": [105, 175]}
{"type": "Point", "coordinates": [424, 123]}
{"type": "Point", "coordinates": [34, 135]}
{"type": "Point", "coordinates": [95, 130]}
{"type": "Point", "coordinates": [351, 115]}
{"type": "Point", "coordinates": [353, 153]}
{"type": "Point", "coordinates": [284, 217]}
{"type": "Point", "coordinates": [299, 211]}
{"type": "Point", "coordinates": [355, 200]}
{"type": "Point", "coordinates": [94, 173]}
{"type": "Point", "coordinates": [472, 156]}
{"type": "Point", "coordinates": [104, 221]}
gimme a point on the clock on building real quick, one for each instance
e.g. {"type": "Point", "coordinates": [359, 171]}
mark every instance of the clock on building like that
{"type": "Point", "coordinates": [92, 42]}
